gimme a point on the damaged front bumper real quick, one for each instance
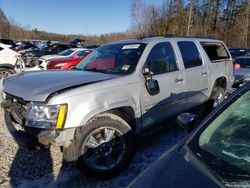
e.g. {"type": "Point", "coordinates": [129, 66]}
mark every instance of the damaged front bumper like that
{"type": "Point", "coordinates": [29, 137]}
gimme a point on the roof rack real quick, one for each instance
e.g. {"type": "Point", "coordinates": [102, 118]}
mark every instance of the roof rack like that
{"type": "Point", "coordinates": [170, 35]}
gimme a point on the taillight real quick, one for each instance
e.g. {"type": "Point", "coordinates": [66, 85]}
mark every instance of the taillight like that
{"type": "Point", "coordinates": [236, 66]}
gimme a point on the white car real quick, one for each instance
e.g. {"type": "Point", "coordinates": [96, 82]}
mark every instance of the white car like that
{"type": "Point", "coordinates": [72, 52]}
{"type": "Point", "coordinates": [8, 60]}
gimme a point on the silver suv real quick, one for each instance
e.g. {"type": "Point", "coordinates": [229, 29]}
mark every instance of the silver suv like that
{"type": "Point", "coordinates": [120, 89]}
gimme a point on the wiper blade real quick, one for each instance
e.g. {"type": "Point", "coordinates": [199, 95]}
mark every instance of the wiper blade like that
{"type": "Point", "coordinates": [96, 70]}
{"type": "Point", "coordinates": [195, 162]}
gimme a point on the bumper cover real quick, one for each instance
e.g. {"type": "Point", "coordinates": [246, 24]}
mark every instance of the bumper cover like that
{"type": "Point", "coordinates": [30, 138]}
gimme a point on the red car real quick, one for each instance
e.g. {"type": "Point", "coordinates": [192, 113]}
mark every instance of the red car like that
{"type": "Point", "coordinates": [67, 63]}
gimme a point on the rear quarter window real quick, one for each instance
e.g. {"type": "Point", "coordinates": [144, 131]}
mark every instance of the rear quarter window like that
{"type": "Point", "coordinates": [216, 51]}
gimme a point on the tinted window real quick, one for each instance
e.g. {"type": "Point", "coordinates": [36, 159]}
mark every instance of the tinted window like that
{"type": "Point", "coordinates": [161, 59]}
{"type": "Point", "coordinates": [1, 48]}
{"type": "Point", "coordinates": [82, 53]}
{"type": "Point", "coordinates": [66, 52]}
{"type": "Point", "coordinates": [190, 54]}
{"type": "Point", "coordinates": [244, 62]}
{"type": "Point", "coordinates": [63, 47]}
{"type": "Point", "coordinates": [215, 51]}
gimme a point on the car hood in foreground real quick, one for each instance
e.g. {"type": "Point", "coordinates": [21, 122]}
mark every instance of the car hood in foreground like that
{"type": "Point", "coordinates": [172, 170]}
{"type": "Point", "coordinates": [38, 85]}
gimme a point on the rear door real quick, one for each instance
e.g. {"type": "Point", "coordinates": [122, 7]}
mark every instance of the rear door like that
{"type": "Point", "coordinates": [196, 73]}
{"type": "Point", "coordinates": [162, 62]}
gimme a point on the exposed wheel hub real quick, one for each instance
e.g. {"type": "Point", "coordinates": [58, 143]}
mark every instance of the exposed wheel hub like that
{"type": "Point", "coordinates": [105, 149]}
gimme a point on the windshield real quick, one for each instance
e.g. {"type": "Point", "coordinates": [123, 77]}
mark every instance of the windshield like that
{"type": "Point", "coordinates": [224, 145]}
{"type": "Point", "coordinates": [113, 59]}
{"type": "Point", "coordinates": [66, 52]}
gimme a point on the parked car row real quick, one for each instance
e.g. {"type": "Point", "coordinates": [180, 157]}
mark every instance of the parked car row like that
{"type": "Point", "coordinates": [10, 56]}
{"type": "Point", "coordinates": [64, 60]}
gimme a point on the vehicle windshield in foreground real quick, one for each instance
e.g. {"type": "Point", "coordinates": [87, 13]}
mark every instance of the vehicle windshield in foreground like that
{"type": "Point", "coordinates": [113, 59]}
{"type": "Point", "coordinates": [66, 52]}
{"type": "Point", "coordinates": [224, 145]}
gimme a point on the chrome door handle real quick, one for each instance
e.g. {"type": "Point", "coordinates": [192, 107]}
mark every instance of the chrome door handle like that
{"type": "Point", "coordinates": [178, 80]}
{"type": "Point", "coordinates": [203, 73]}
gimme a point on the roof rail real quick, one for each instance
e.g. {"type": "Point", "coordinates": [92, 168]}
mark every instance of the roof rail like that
{"type": "Point", "coordinates": [170, 35]}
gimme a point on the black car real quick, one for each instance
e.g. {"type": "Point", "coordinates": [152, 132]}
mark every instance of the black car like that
{"type": "Point", "coordinates": [242, 70]}
{"type": "Point", "coordinates": [236, 52]}
{"type": "Point", "coordinates": [215, 154]}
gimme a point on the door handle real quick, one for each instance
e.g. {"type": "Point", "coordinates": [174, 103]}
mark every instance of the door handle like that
{"type": "Point", "coordinates": [178, 80]}
{"type": "Point", "coordinates": [203, 73]}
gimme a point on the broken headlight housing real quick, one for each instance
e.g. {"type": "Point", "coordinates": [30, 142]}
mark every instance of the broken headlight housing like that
{"type": "Point", "coordinates": [46, 116]}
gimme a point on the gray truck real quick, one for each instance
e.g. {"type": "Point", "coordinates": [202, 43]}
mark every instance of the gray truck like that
{"type": "Point", "coordinates": [120, 89]}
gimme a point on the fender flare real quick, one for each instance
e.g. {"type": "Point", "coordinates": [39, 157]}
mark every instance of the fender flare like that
{"type": "Point", "coordinates": [8, 66]}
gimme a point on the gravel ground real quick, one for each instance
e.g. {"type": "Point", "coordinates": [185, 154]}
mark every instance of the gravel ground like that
{"type": "Point", "coordinates": [43, 168]}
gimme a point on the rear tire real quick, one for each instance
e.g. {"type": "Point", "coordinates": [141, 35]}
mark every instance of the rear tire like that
{"type": "Point", "coordinates": [217, 96]}
{"type": "Point", "coordinates": [104, 146]}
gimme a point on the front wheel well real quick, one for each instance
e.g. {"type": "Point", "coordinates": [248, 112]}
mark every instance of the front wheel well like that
{"type": "Point", "coordinates": [127, 114]}
{"type": "Point", "coordinates": [7, 66]}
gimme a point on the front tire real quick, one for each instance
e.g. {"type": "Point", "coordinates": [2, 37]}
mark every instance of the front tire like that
{"type": "Point", "coordinates": [4, 72]}
{"type": "Point", "coordinates": [104, 146]}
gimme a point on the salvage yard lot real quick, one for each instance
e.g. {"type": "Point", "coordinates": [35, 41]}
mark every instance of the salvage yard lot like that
{"type": "Point", "coordinates": [41, 168]}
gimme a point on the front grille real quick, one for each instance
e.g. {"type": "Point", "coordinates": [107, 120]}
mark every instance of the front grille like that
{"type": "Point", "coordinates": [17, 108]}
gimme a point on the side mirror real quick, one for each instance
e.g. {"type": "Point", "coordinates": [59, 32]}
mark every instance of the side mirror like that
{"type": "Point", "coordinates": [187, 121]}
{"type": "Point", "coordinates": [152, 86]}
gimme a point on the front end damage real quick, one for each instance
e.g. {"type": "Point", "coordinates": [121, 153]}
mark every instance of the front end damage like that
{"type": "Point", "coordinates": [15, 113]}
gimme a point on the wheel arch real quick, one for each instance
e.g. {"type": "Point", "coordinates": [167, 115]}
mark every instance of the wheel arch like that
{"type": "Point", "coordinates": [127, 113]}
{"type": "Point", "coordinates": [7, 66]}
{"type": "Point", "coordinates": [221, 82]}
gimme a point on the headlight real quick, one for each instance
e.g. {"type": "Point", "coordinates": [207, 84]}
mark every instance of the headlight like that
{"type": "Point", "coordinates": [46, 116]}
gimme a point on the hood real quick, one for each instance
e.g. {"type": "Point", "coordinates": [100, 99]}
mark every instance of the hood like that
{"type": "Point", "coordinates": [38, 85]}
{"type": "Point", "coordinates": [172, 170]}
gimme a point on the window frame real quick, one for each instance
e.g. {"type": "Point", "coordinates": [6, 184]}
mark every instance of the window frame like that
{"type": "Point", "coordinates": [216, 42]}
{"type": "Point", "coordinates": [198, 50]}
{"type": "Point", "coordinates": [175, 56]}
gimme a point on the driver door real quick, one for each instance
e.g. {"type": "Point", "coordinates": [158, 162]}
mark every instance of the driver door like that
{"type": "Point", "coordinates": [170, 100]}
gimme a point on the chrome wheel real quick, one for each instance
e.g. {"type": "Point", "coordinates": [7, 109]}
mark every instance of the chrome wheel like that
{"type": "Point", "coordinates": [218, 100]}
{"type": "Point", "coordinates": [4, 74]}
{"type": "Point", "coordinates": [104, 148]}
